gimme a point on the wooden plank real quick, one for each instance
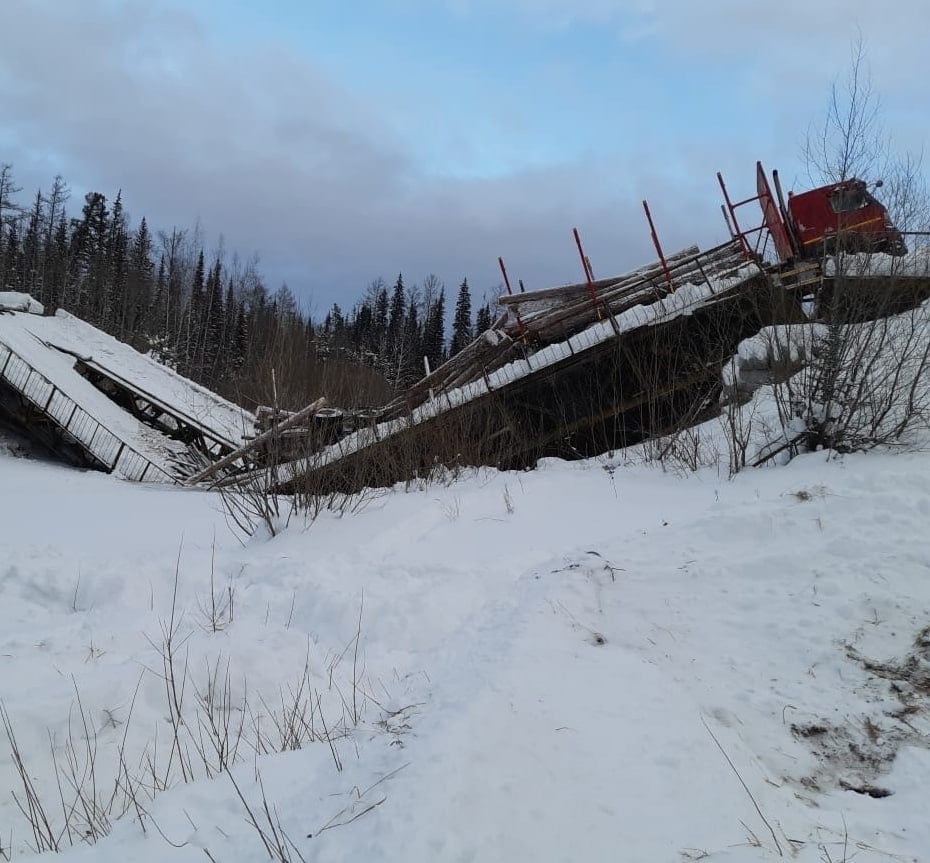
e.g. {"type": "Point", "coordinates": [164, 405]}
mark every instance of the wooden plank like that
{"type": "Point", "coordinates": [255, 442]}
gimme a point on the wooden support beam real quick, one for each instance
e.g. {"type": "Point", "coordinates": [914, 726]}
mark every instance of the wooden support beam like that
{"type": "Point", "coordinates": [293, 420]}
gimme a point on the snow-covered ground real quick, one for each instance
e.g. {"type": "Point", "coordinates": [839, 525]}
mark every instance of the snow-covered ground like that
{"type": "Point", "coordinates": [914, 264]}
{"type": "Point", "coordinates": [591, 661]}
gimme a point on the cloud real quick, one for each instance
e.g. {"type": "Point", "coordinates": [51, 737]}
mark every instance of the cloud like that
{"type": "Point", "coordinates": [792, 35]}
{"type": "Point", "coordinates": [265, 144]}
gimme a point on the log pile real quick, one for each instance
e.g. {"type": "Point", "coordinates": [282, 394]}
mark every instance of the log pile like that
{"type": "Point", "coordinates": [554, 314]}
{"type": "Point", "coordinates": [534, 319]}
{"type": "Point", "coordinates": [275, 428]}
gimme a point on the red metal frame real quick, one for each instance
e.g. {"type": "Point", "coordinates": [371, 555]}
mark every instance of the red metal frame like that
{"type": "Point", "coordinates": [772, 216]}
{"type": "Point", "coordinates": [772, 223]}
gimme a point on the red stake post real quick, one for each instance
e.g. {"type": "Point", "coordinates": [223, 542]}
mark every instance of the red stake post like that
{"type": "Point", "coordinates": [658, 245]}
{"type": "Point", "coordinates": [504, 274]}
{"type": "Point", "coordinates": [521, 327]}
{"type": "Point", "coordinates": [586, 266]}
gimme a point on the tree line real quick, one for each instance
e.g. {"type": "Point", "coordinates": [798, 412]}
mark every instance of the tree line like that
{"type": "Point", "coordinates": [211, 316]}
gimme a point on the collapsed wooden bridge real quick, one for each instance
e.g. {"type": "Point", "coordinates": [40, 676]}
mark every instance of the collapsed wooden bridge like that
{"type": "Point", "coordinates": [569, 371]}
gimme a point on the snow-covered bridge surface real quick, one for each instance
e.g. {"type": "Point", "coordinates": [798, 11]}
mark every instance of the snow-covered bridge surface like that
{"type": "Point", "coordinates": [41, 364]}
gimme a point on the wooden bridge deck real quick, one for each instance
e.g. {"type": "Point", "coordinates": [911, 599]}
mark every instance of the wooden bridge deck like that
{"type": "Point", "coordinates": [518, 391]}
{"type": "Point", "coordinates": [144, 422]}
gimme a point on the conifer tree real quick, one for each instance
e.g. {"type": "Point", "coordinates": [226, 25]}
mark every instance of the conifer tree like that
{"type": "Point", "coordinates": [194, 318]}
{"type": "Point", "coordinates": [89, 265]}
{"type": "Point", "coordinates": [8, 211]}
{"type": "Point", "coordinates": [139, 294]}
{"type": "Point", "coordinates": [483, 318]}
{"type": "Point", "coordinates": [229, 327]}
{"type": "Point", "coordinates": [410, 357]}
{"type": "Point", "coordinates": [214, 321]}
{"type": "Point", "coordinates": [54, 257]}
{"type": "Point", "coordinates": [11, 253]}
{"type": "Point", "coordinates": [29, 276]}
{"type": "Point", "coordinates": [461, 324]}
{"type": "Point", "coordinates": [396, 318]}
{"type": "Point", "coordinates": [112, 298]}
{"type": "Point", "coordinates": [434, 332]}
{"type": "Point", "coordinates": [381, 313]}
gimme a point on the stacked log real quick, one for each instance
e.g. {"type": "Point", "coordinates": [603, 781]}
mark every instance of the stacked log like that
{"type": "Point", "coordinates": [574, 309]}
{"type": "Point", "coordinates": [537, 318]}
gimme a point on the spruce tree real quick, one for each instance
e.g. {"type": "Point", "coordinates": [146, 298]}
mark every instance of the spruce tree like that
{"type": "Point", "coordinates": [8, 210]}
{"type": "Point", "coordinates": [381, 313]}
{"type": "Point", "coordinates": [11, 258]}
{"type": "Point", "coordinates": [229, 329]}
{"type": "Point", "coordinates": [214, 322]}
{"type": "Point", "coordinates": [59, 265]}
{"type": "Point", "coordinates": [396, 318]}
{"type": "Point", "coordinates": [434, 334]}
{"type": "Point", "coordinates": [30, 278]}
{"type": "Point", "coordinates": [54, 264]}
{"type": "Point", "coordinates": [112, 301]}
{"type": "Point", "coordinates": [89, 264]}
{"type": "Point", "coordinates": [140, 288]}
{"type": "Point", "coordinates": [483, 319]}
{"type": "Point", "coordinates": [461, 323]}
{"type": "Point", "coordinates": [193, 323]}
{"type": "Point", "coordinates": [410, 357]}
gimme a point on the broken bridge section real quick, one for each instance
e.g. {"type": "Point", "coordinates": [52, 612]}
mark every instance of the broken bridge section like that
{"type": "Point", "coordinates": [50, 416]}
{"type": "Point", "coordinates": [578, 370]}
{"type": "Point", "coordinates": [58, 384]}
{"type": "Point", "coordinates": [569, 371]}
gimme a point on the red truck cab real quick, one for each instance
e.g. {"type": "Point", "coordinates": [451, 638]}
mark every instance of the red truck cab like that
{"type": "Point", "coordinates": [841, 215]}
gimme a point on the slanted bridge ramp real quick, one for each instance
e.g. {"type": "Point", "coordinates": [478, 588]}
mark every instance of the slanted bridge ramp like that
{"type": "Point", "coordinates": [145, 422]}
{"type": "Point", "coordinates": [568, 371]}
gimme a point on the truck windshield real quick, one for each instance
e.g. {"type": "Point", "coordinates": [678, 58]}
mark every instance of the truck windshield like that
{"type": "Point", "coordinates": [843, 200]}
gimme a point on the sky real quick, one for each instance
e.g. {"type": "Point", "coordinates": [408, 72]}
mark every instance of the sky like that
{"type": "Point", "coordinates": [346, 141]}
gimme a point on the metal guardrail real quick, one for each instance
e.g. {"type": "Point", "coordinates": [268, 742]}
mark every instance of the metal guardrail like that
{"type": "Point", "coordinates": [110, 451]}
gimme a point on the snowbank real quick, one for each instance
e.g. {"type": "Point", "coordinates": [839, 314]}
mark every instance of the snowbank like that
{"type": "Point", "coordinates": [772, 352]}
{"type": "Point", "coordinates": [914, 264]}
